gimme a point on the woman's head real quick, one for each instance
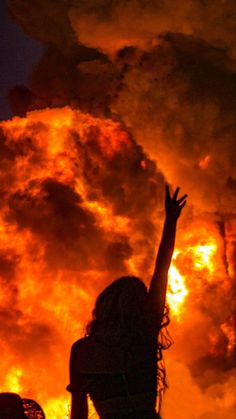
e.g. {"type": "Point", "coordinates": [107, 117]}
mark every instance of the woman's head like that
{"type": "Point", "coordinates": [120, 310]}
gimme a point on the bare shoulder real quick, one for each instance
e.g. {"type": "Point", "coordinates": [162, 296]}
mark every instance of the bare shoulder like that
{"type": "Point", "coordinates": [80, 357]}
{"type": "Point", "coordinates": [79, 346]}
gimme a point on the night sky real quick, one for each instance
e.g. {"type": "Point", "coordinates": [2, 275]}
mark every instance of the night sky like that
{"type": "Point", "coordinates": [18, 55]}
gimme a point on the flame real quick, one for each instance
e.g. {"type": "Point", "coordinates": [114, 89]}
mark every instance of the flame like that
{"type": "Point", "coordinates": [57, 408]}
{"type": "Point", "coordinates": [106, 217]}
{"type": "Point", "coordinates": [228, 329]}
{"type": "Point", "coordinates": [204, 162]}
{"type": "Point", "coordinates": [177, 291]}
{"type": "Point", "coordinates": [13, 380]}
{"type": "Point", "coordinates": [51, 271]}
{"type": "Point", "coordinates": [204, 256]}
{"type": "Point", "coordinates": [53, 298]}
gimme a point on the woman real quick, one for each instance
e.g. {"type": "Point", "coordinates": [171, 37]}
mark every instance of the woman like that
{"type": "Point", "coordinates": [116, 363]}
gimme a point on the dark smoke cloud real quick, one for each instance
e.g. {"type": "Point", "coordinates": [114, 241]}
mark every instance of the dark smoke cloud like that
{"type": "Point", "coordinates": [83, 78]}
{"type": "Point", "coordinates": [20, 100]}
{"type": "Point", "coordinates": [184, 90]}
{"type": "Point", "coordinates": [176, 93]}
{"type": "Point", "coordinates": [110, 26]}
{"type": "Point", "coordinates": [44, 20]}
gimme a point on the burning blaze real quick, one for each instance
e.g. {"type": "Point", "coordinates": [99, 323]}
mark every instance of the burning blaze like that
{"type": "Point", "coordinates": [202, 256]}
{"type": "Point", "coordinates": [63, 236]}
{"type": "Point", "coordinates": [177, 291]}
{"type": "Point", "coordinates": [12, 380]}
{"type": "Point", "coordinates": [79, 204]}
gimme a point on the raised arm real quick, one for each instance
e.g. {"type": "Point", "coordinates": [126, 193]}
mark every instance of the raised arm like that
{"type": "Point", "coordinates": [158, 286]}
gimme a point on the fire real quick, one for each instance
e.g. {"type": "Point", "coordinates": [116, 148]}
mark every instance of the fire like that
{"type": "Point", "coordinates": [177, 291]}
{"type": "Point", "coordinates": [13, 379]}
{"type": "Point", "coordinates": [78, 208]}
{"type": "Point", "coordinates": [57, 408]}
{"type": "Point", "coordinates": [229, 330]}
{"type": "Point", "coordinates": [205, 161]}
{"type": "Point", "coordinates": [106, 217]}
{"type": "Point", "coordinates": [51, 303]}
{"type": "Point", "coordinates": [204, 256]}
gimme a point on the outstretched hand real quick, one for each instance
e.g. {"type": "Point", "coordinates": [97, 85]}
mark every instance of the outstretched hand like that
{"type": "Point", "coordinates": [174, 206]}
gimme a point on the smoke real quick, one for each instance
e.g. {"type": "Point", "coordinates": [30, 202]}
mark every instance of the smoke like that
{"type": "Point", "coordinates": [185, 97]}
{"type": "Point", "coordinates": [110, 26]}
{"type": "Point", "coordinates": [170, 65]}
{"type": "Point", "coordinates": [93, 202]}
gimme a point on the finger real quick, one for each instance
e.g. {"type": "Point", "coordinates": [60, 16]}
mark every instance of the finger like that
{"type": "Point", "coordinates": [167, 192]}
{"type": "Point", "coordinates": [182, 205]}
{"type": "Point", "coordinates": [176, 193]}
{"type": "Point", "coordinates": [181, 199]}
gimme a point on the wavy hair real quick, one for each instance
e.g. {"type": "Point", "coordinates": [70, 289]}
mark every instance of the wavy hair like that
{"type": "Point", "coordinates": [121, 316]}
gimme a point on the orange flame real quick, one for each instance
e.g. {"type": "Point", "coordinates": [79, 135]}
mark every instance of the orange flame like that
{"type": "Point", "coordinates": [50, 299]}
{"type": "Point", "coordinates": [177, 291]}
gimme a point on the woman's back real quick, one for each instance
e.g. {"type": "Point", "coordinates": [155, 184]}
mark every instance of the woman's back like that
{"type": "Point", "coordinates": [119, 382]}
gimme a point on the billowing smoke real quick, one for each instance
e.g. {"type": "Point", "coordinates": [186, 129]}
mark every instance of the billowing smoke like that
{"type": "Point", "coordinates": [184, 90]}
{"type": "Point", "coordinates": [82, 195]}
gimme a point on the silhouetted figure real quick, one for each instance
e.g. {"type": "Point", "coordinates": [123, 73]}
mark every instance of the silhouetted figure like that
{"type": "Point", "coordinates": [116, 363]}
{"type": "Point", "coordinates": [12, 406]}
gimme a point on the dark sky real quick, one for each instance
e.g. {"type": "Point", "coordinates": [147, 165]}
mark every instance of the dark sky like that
{"type": "Point", "coordinates": [18, 54]}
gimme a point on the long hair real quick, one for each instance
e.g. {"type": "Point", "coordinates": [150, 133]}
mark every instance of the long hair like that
{"type": "Point", "coordinates": [119, 313]}
{"type": "Point", "coordinates": [121, 316]}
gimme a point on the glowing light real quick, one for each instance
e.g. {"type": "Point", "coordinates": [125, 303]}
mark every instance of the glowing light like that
{"type": "Point", "coordinates": [203, 259]}
{"type": "Point", "coordinates": [228, 329]}
{"type": "Point", "coordinates": [204, 162]}
{"type": "Point", "coordinates": [57, 408]}
{"type": "Point", "coordinates": [177, 291]}
{"type": "Point", "coordinates": [12, 380]}
{"type": "Point", "coordinates": [203, 256]}
{"type": "Point", "coordinates": [107, 219]}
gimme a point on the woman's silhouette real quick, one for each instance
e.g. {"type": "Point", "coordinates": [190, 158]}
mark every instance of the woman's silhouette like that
{"type": "Point", "coordinates": [116, 363]}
